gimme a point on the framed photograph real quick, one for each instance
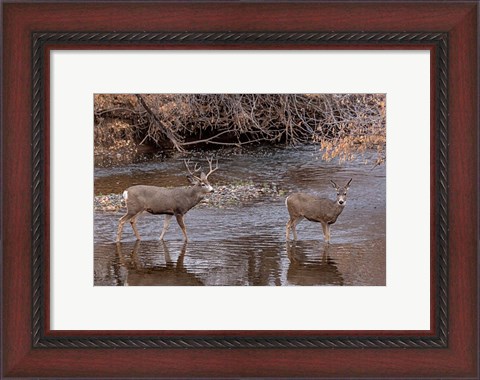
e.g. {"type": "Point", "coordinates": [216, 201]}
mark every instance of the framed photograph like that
{"type": "Point", "coordinates": [320, 160]}
{"type": "Point", "coordinates": [266, 165]}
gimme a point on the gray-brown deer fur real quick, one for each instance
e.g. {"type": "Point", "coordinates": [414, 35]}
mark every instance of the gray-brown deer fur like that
{"type": "Point", "coordinates": [165, 201]}
{"type": "Point", "coordinates": [316, 209]}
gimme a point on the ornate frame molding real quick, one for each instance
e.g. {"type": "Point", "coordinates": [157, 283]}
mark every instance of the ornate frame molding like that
{"type": "Point", "coordinates": [213, 39]}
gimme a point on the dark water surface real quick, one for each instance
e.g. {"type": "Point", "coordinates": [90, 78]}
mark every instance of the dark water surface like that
{"type": "Point", "coordinates": [245, 244]}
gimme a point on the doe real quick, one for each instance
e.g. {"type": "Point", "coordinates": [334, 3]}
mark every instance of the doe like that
{"type": "Point", "coordinates": [167, 201]}
{"type": "Point", "coordinates": [316, 209]}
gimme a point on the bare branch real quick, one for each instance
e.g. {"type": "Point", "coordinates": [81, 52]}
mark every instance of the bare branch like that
{"type": "Point", "coordinates": [162, 127]}
{"type": "Point", "coordinates": [341, 124]}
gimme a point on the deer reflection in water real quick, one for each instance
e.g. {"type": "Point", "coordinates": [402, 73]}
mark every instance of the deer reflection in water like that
{"type": "Point", "coordinates": [304, 270]}
{"type": "Point", "coordinates": [141, 272]}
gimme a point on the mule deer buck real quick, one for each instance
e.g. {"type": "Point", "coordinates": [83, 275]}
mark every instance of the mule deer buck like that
{"type": "Point", "coordinates": [168, 201]}
{"type": "Point", "coordinates": [316, 209]}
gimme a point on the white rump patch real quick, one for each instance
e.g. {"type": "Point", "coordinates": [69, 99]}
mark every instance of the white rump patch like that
{"type": "Point", "coordinates": [125, 195]}
{"type": "Point", "coordinates": [286, 200]}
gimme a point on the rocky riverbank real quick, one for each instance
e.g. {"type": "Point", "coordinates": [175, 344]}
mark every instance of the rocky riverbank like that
{"type": "Point", "coordinates": [224, 196]}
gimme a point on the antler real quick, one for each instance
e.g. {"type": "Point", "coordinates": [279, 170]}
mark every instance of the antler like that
{"type": "Point", "coordinates": [195, 169]}
{"type": "Point", "coordinates": [210, 160]}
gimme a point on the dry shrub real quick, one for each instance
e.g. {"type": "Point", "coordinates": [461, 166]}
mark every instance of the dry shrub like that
{"type": "Point", "coordinates": [343, 124]}
{"type": "Point", "coordinates": [355, 123]}
{"type": "Point", "coordinates": [114, 143]}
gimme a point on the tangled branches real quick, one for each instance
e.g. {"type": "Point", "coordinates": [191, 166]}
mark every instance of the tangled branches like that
{"type": "Point", "coordinates": [343, 124]}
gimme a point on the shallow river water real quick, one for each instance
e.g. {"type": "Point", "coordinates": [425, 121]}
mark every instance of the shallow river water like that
{"type": "Point", "coordinates": [245, 244]}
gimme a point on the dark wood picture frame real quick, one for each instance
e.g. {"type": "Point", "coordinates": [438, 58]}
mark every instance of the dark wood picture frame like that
{"type": "Point", "coordinates": [448, 30]}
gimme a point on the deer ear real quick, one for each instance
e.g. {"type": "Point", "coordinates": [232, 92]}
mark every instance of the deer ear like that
{"type": "Point", "coordinates": [192, 179]}
{"type": "Point", "coordinates": [203, 177]}
{"type": "Point", "coordinates": [334, 184]}
{"type": "Point", "coordinates": [348, 183]}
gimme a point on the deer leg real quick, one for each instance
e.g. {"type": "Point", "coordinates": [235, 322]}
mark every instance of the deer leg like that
{"type": "Point", "coordinates": [326, 232]}
{"type": "Point", "coordinates": [288, 230]}
{"type": "Point", "coordinates": [294, 227]}
{"type": "Point", "coordinates": [293, 223]}
{"type": "Point", "coordinates": [166, 223]}
{"type": "Point", "coordinates": [133, 222]}
{"type": "Point", "coordinates": [121, 222]}
{"type": "Point", "coordinates": [182, 226]}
